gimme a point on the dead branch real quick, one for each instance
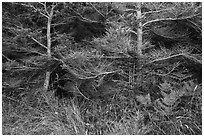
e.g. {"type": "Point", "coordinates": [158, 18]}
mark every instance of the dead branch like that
{"type": "Point", "coordinates": [169, 19]}
{"type": "Point", "coordinates": [83, 18]}
{"type": "Point", "coordinates": [42, 45]}
{"type": "Point", "coordinates": [45, 7]}
{"type": "Point", "coordinates": [157, 11]}
{"type": "Point", "coordinates": [166, 74]}
{"type": "Point", "coordinates": [163, 59]}
{"type": "Point", "coordinates": [178, 57]}
{"type": "Point", "coordinates": [6, 57]}
{"type": "Point", "coordinates": [35, 9]}
{"type": "Point", "coordinates": [96, 9]}
{"type": "Point", "coordinates": [193, 59]}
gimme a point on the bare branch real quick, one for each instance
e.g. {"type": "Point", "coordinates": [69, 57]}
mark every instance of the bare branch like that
{"type": "Point", "coordinates": [159, 5]}
{"type": "Point", "coordinates": [192, 58]}
{"type": "Point", "coordinates": [150, 12]}
{"type": "Point", "coordinates": [109, 12]}
{"type": "Point", "coordinates": [6, 57]}
{"type": "Point", "coordinates": [29, 6]}
{"type": "Point", "coordinates": [45, 7]}
{"type": "Point", "coordinates": [53, 5]}
{"type": "Point", "coordinates": [197, 26]}
{"type": "Point", "coordinates": [166, 58]}
{"type": "Point", "coordinates": [57, 24]}
{"type": "Point", "coordinates": [128, 10]}
{"type": "Point", "coordinates": [42, 45]}
{"type": "Point", "coordinates": [24, 68]}
{"type": "Point", "coordinates": [41, 12]}
{"type": "Point", "coordinates": [83, 18]}
{"type": "Point", "coordinates": [44, 15]}
{"type": "Point", "coordinates": [38, 53]}
{"type": "Point", "coordinates": [163, 75]}
{"type": "Point", "coordinates": [169, 19]}
{"type": "Point", "coordinates": [81, 93]}
{"type": "Point", "coordinates": [181, 55]}
{"type": "Point", "coordinates": [96, 9]}
{"type": "Point", "coordinates": [132, 31]}
{"type": "Point", "coordinates": [35, 9]}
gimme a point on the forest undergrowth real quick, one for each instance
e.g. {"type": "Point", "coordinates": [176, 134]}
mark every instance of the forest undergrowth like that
{"type": "Point", "coordinates": [149, 106]}
{"type": "Point", "coordinates": [102, 68]}
{"type": "Point", "coordinates": [121, 114]}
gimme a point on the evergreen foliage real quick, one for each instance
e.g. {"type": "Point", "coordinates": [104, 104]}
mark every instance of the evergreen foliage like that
{"type": "Point", "coordinates": [101, 79]}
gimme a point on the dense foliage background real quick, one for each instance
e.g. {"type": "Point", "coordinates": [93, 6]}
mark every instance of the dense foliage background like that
{"type": "Point", "coordinates": [102, 68]}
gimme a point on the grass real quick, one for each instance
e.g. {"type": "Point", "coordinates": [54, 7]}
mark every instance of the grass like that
{"type": "Point", "coordinates": [38, 113]}
{"type": "Point", "coordinates": [36, 116]}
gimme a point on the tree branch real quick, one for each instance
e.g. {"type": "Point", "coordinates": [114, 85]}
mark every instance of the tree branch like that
{"type": "Point", "coordinates": [83, 18]}
{"type": "Point", "coordinates": [43, 14]}
{"type": "Point", "coordinates": [6, 57]}
{"type": "Point", "coordinates": [38, 53]}
{"type": "Point", "coordinates": [45, 7]}
{"type": "Point", "coordinates": [169, 19]}
{"type": "Point", "coordinates": [193, 59]}
{"type": "Point", "coordinates": [197, 26]}
{"type": "Point", "coordinates": [35, 9]}
{"type": "Point", "coordinates": [183, 55]}
{"type": "Point", "coordinates": [163, 75]}
{"type": "Point", "coordinates": [150, 12]}
{"type": "Point", "coordinates": [42, 45]}
{"type": "Point", "coordinates": [96, 9]}
{"type": "Point", "coordinates": [163, 59]}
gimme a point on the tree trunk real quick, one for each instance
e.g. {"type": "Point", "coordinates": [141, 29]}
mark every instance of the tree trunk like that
{"type": "Point", "coordinates": [47, 76]}
{"type": "Point", "coordinates": [139, 29]}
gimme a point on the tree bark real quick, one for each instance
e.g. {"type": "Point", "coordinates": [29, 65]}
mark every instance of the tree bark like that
{"type": "Point", "coordinates": [47, 76]}
{"type": "Point", "coordinates": [139, 29]}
